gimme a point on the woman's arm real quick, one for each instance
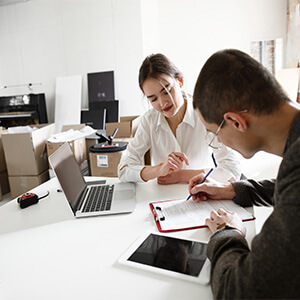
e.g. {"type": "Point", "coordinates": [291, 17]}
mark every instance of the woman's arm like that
{"type": "Point", "coordinates": [227, 162]}
{"type": "Point", "coordinates": [173, 164]}
{"type": "Point", "coordinates": [183, 175]}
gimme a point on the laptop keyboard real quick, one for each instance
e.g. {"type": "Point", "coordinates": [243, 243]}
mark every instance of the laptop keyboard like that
{"type": "Point", "coordinates": [99, 198]}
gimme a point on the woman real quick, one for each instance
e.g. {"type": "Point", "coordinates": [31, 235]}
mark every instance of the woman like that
{"type": "Point", "coordinates": [173, 131]}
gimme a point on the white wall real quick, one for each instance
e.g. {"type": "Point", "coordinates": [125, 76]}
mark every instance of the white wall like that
{"type": "Point", "coordinates": [44, 39]}
{"type": "Point", "coordinates": [192, 30]}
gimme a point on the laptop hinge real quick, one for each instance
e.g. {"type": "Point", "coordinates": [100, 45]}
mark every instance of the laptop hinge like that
{"type": "Point", "coordinates": [80, 200]}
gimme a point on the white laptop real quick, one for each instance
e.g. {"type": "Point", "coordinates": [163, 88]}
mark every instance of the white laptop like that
{"type": "Point", "coordinates": [89, 198]}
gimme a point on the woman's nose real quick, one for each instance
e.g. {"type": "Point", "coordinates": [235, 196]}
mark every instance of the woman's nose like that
{"type": "Point", "coordinates": [162, 101]}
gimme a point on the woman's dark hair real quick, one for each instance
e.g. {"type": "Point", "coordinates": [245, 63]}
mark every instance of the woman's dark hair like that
{"type": "Point", "coordinates": [231, 80]}
{"type": "Point", "coordinates": [155, 65]}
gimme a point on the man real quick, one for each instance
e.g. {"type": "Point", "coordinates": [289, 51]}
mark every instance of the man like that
{"type": "Point", "coordinates": [245, 108]}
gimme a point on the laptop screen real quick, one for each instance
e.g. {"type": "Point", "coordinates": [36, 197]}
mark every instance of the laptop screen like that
{"type": "Point", "coordinates": [68, 173]}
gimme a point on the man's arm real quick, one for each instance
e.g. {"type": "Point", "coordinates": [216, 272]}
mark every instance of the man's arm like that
{"type": "Point", "coordinates": [251, 192]}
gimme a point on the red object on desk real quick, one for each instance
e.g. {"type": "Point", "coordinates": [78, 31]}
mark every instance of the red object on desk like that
{"type": "Point", "coordinates": [160, 217]}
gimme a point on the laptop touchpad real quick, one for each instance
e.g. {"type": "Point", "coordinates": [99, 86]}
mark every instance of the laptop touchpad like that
{"type": "Point", "coordinates": [121, 195]}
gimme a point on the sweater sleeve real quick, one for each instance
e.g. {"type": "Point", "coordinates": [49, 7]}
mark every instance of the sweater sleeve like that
{"type": "Point", "coordinates": [251, 192]}
{"type": "Point", "coordinates": [270, 270]}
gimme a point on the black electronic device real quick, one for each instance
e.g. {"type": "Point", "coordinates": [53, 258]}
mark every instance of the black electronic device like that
{"type": "Point", "coordinates": [108, 145]}
{"type": "Point", "coordinates": [101, 86]}
{"type": "Point", "coordinates": [23, 110]}
{"type": "Point", "coordinates": [112, 109]}
{"type": "Point", "coordinates": [184, 259]}
{"type": "Point", "coordinates": [28, 199]}
{"type": "Point", "coordinates": [96, 118]}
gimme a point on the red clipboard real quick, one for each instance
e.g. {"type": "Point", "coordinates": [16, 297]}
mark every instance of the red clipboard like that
{"type": "Point", "coordinates": [159, 217]}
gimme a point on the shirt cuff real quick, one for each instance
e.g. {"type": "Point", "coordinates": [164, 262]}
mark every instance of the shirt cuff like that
{"type": "Point", "coordinates": [134, 174]}
{"type": "Point", "coordinates": [219, 174]}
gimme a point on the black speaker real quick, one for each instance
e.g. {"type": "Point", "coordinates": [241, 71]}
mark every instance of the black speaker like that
{"type": "Point", "coordinates": [94, 118]}
{"type": "Point", "coordinates": [112, 109]}
{"type": "Point", "coordinates": [101, 86]}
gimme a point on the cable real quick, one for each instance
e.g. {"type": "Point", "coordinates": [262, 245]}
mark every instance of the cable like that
{"type": "Point", "coordinates": [28, 199]}
{"type": "Point", "coordinates": [44, 196]}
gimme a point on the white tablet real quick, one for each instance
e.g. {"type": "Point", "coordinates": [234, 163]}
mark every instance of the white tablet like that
{"type": "Point", "coordinates": [179, 258]}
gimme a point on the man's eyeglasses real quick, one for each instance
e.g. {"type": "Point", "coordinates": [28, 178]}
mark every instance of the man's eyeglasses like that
{"type": "Point", "coordinates": [211, 136]}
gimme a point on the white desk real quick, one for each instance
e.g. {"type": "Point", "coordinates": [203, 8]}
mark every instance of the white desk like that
{"type": "Point", "coordinates": [46, 262]}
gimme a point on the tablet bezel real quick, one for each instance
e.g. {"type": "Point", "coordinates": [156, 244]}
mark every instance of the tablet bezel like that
{"type": "Point", "coordinates": [203, 277]}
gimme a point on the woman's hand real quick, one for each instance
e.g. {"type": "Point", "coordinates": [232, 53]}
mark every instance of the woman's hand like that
{"type": "Point", "coordinates": [173, 163]}
{"type": "Point", "coordinates": [210, 189]}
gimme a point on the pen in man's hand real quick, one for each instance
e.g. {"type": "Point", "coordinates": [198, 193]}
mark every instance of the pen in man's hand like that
{"type": "Point", "coordinates": [201, 182]}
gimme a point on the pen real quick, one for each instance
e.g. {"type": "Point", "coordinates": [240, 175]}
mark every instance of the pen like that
{"type": "Point", "coordinates": [201, 182]}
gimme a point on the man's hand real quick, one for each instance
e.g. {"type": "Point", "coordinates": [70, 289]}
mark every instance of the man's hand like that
{"type": "Point", "coordinates": [210, 189]}
{"type": "Point", "coordinates": [221, 216]}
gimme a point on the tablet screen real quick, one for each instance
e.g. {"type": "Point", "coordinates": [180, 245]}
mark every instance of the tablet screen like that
{"type": "Point", "coordinates": [169, 253]}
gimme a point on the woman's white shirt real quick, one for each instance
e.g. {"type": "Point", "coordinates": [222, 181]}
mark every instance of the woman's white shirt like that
{"type": "Point", "coordinates": [154, 131]}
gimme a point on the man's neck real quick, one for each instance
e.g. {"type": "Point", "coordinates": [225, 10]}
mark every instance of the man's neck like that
{"type": "Point", "coordinates": [275, 129]}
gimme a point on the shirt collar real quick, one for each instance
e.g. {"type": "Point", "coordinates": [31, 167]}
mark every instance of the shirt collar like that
{"type": "Point", "coordinates": [189, 117]}
{"type": "Point", "coordinates": [162, 122]}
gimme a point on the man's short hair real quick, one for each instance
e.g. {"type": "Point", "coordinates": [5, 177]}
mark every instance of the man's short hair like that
{"type": "Point", "coordinates": [231, 80]}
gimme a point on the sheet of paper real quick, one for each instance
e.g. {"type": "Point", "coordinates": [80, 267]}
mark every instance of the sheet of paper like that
{"type": "Point", "coordinates": [180, 214]}
{"type": "Point", "coordinates": [71, 135]}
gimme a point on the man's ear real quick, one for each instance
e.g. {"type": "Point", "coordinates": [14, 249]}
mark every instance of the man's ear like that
{"type": "Point", "coordinates": [237, 120]}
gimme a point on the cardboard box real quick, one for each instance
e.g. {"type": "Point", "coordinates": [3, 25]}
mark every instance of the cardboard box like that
{"type": "Point", "coordinates": [84, 168]}
{"type": "Point", "coordinates": [147, 156]}
{"type": "Point", "coordinates": [102, 170]}
{"type": "Point", "coordinates": [105, 164]}
{"type": "Point", "coordinates": [4, 185]}
{"type": "Point", "coordinates": [2, 157]}
{"type": "Point", "coordinates": [90, 142]}
{"type": "Point", "coordinates": [78, 147]}
{"type": "Point", "coordinates": [127, 127]}
{"type": "Point", "coordinates": [25, 153]}
{"type": "Point", "coordinates": [22, 184]}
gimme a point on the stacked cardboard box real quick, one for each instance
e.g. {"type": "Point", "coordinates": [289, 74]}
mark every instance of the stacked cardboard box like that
{"type": "Point", "coordinates": [78, 146]}
{"type": "Point", "coordinates": [4, 185]}
{"type": "Point", "coordinates": [26, 158]}
{"type": "Point", "coordinates": [106, 164]}
{"type": "Point", "coordinates": [127, 127]}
